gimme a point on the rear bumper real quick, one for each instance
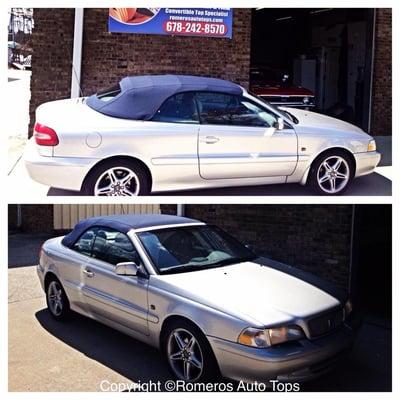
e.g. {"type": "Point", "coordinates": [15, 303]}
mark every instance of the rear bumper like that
{"type": "Point", "coordinates": [58, 172]}
{"type": "Point", "coordinates": [297, 361]}
{"type": "Point", "coordinates": [366, 162]}
{"type": "Point", "coordinates": [40, 273]}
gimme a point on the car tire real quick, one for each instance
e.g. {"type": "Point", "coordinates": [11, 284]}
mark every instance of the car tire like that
{"type": "Point", "coordinates": [108, 179]}
{"type": "Point", "coordinates": [331, 173]}
{"type": "Point", "coordinates": [57, 300]}
{"type": "Point", "coordinates": [203, 366]}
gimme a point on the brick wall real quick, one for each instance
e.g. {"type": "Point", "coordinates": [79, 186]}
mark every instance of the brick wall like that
{"type": "Point", "coordinates": [315, 238]}
{"type": "Point", "coordinates": [12, 217]}
{"type": "Point", "coordinates": [109, 56]}
{"type": "Point", "coordinates": [35, 218]}
{"type": "Point", "coordinates": [381, 119]}
{"type": "Point", "coordinates": [52, 40]}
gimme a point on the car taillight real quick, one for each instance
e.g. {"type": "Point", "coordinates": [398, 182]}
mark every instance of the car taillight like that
{"type": "Point", "coordinates": [45, 136]}
{"type": "Point", "coordinates": [41, 252]}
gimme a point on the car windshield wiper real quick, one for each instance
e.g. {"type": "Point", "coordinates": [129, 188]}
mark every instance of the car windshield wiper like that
{"type": "Point", "coordinates": [197, 267]}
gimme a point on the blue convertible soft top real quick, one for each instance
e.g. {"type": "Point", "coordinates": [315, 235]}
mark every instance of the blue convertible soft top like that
{"type": "Point", "coordinates": [141, 96]}
{"type": "Point", "coordinates": [124, 223]}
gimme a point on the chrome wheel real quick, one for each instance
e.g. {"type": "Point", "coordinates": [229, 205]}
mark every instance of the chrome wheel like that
{"type": "Point", "coordinates": [117, 181]}
{"type": "Point", "coordinates": [55, 298]}
{"type": "Point", "coordinates": [333, 174]}
{"type": "Point", "coordinates": [184, 355]}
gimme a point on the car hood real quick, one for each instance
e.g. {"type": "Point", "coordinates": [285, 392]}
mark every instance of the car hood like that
{"type": "Point", "coordinates": [311, 119]}
{"type": "Point", "coordinates": [250, 291]}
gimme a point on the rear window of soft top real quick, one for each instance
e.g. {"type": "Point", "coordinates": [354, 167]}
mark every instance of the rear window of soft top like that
{"type": "Point", "coordinates": [109, 94]}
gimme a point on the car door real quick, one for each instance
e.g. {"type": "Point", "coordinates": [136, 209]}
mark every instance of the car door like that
{"type": "Point", "coordinates": [238, 139]}
{"type": "Point", "coordinates": [174, 132]}
{"type": "Point", "coordinates": [120, 299]}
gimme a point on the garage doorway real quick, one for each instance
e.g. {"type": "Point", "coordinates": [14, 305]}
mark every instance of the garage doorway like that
{"type": "Point", "coordinates": [371, 270]}
{"type": "Point", "coordinates": [327, 51]}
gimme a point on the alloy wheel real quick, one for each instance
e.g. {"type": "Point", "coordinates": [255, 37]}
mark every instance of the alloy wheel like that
{"type": "Point", "coordinates": [117, 181]}
{"type": "Point", "coordinates": [333, 174]}
{"type": "Point", "coordinates": [184, 355]}
{"type": "Point", "coordinates": [55, 297]}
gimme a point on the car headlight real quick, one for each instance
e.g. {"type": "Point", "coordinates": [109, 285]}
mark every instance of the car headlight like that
{"type": "Point", "coordinates": [268, 337]}
{"type": "Point", "coordinates": [348, 309]}
{"type": "Point", "coordinates": [308, 100]}
{"type": "Point", "coordinates": [371, 145]}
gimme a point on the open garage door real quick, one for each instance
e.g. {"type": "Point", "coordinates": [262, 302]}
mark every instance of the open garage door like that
{"type": "Point", "coordinates": [319, 59]}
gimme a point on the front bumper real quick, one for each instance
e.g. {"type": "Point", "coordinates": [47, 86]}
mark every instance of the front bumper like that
{"type": "Point", "coordinates": [58, 172]}
{"type": "Point", "coordinates": [293, 361]}
{"type": "Point", "coordinates": [366, 162]}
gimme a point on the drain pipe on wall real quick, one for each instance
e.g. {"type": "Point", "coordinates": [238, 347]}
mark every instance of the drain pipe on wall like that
{"type": "Point", "coordinates": [77, 54]}
{"type": "Point", "coordinates": [19, 216]}
{"type": "Point", "coordinates": [180, 210]}
{"type": "Point", "coordinates": [371, 89]}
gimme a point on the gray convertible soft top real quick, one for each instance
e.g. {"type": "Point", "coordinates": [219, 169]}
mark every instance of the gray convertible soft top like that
{"type": "Point", "coordinates": [140, 97]}
{"type": "Point", "coordinates": [124, 223]}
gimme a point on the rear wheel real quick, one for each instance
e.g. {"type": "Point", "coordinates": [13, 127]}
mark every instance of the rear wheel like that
{"type": "Point", "coordinates": [57, 301]}
{"type": "Point", "coordinates": [331, 173]}
{"type": "Point", "coordinates": [188, 354]}
{"type": "Point", "coordinates": [117, 178]}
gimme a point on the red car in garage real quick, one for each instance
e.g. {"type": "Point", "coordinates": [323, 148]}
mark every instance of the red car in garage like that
{"type": "Point", "coordinates": [277, 89]}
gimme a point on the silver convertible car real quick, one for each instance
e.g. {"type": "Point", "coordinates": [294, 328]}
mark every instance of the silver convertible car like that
{"type": "Point", "coordinates": [206, 301]}
{"type": "Point", "coordinates": [171, 132]}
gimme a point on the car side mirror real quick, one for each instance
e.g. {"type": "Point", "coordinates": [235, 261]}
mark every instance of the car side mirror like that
{"type": "Point", "coordinates": [279, 124]}
{"type": "Point", "coordinates": [127, 269]}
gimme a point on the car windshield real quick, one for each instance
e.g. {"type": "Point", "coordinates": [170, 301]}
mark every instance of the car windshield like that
{"type": "Point", "coordinates": [192, 248]}
{"type": "Point", "coordinates": [279, 110]}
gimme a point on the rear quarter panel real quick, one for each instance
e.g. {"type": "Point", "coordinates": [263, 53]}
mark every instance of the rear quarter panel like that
{"type": "Point", "coordinates": [67, 266]}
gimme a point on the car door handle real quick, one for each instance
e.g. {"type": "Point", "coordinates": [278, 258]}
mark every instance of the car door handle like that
{"type": "Point", "coordinates": [88, 273]}
{"type": "Point", "coordinates": [211, 139]}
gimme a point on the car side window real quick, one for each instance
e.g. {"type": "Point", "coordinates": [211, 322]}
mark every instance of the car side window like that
{"type": "Point", "coordinates": [113, 247]}
{"type": "Point", "coordinates": [225, 109]}
{"type": "Point", "coordinates": [180, 108]}
{"type": "Point", "coordinates": [85, 243]}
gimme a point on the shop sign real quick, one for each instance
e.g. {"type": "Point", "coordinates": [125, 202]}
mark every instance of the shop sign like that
{"type": "Point", "coordinates": [206, 22]}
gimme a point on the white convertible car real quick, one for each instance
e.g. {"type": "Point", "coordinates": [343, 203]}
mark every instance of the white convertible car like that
{"type": "Point", "coordinates": [170, 132]}
{"type": "Point", "coordinates": [206, 301]}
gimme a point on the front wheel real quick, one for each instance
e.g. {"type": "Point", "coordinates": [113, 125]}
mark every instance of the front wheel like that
{"type": "Point", "coordinates": [117, 178]}
{"type": "Point", "coordinates": [331, 173]}
{"type": "Point", "coordinates": [188, 353]}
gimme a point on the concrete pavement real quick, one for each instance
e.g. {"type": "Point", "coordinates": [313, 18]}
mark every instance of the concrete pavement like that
{"type": "Point", "coordinates": [45, 355]}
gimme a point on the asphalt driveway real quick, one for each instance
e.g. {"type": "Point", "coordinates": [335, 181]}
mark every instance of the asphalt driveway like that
{"type": "Point", "coordinates": [45, 355]}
